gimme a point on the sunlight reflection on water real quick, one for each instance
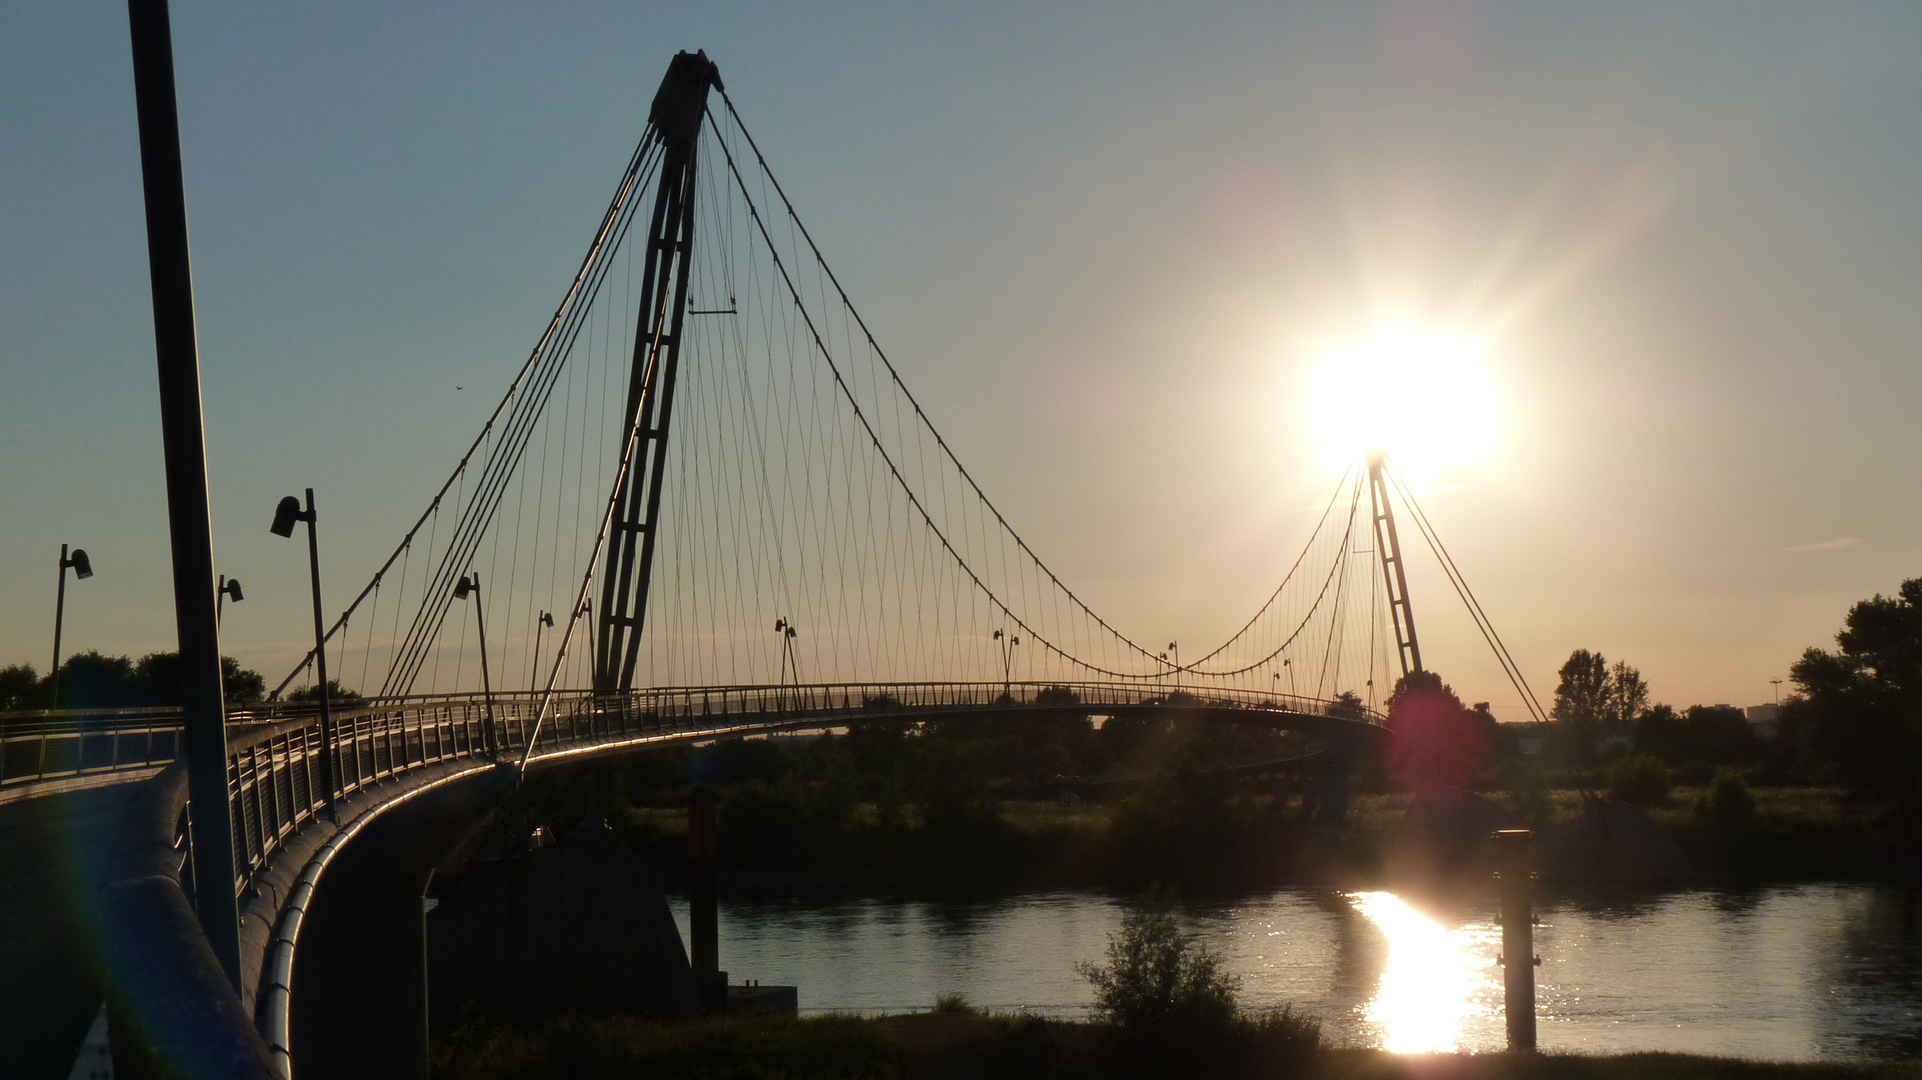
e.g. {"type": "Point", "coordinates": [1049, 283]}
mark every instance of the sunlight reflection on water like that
{"type": "Point", "coordinates": [1801, 972]}
{"type": "Point", "coordinates": [1433, 981]}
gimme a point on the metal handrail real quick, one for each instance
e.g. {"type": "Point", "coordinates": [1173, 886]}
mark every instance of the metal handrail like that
{"type": "Point", "coordinates": [41, 745]}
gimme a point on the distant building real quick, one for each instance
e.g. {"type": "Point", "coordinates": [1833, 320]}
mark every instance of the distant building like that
{"type": "Point", "coordinates": [1764, 718]}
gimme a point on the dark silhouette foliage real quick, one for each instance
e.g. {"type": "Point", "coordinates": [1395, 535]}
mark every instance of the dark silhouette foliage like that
{"type": "Point", "coordinates": [94, 680]}
{"type": "Point", "coordinates": [1435, 742]}
{"type": "Point", "coordinates": [1696, 740]}
{"type": "Point", "coordinates": [338, 696]}
{"type": "Point", "coordinates": [1861, 706]}
{"type": "Point", "coordinates": [1640, 779]}
{"type": "Point", "coordinates": [1348, 706]}
{"type": "Point", "coordinates": [1159, 981]}
{"type": "Point", "coordinates": [19, 687]}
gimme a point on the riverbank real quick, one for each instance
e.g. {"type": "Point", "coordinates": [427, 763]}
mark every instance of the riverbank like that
{"type": "Point", "coordinates": [774, 845]}
{"type": "Point", "coordinates": [962, 1045]}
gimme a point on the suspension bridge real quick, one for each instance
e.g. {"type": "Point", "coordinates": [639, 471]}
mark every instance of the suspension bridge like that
{"type": "Point", "coordinates": [706, 505]}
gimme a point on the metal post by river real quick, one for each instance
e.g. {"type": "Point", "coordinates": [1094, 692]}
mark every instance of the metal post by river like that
{"type": "Point", "coordinates": [1518, 958]}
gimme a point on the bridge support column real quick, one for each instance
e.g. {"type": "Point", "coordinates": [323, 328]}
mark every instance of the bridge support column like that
{"type": "Point", "coordinates": [359, 1004]}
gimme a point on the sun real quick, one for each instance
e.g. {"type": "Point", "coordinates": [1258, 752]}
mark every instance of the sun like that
{"type": "Point", "coordinates": [1425, 399]}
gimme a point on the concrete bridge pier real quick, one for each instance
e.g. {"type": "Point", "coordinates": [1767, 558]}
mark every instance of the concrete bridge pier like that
{"type": "Point", "coordinates": [359, 1002]}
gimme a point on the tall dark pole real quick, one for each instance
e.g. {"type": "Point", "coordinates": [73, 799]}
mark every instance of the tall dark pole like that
{"type": "Point", "coordinates": [471, 583]}
{"type": "Point", "coordinates": [59, 613]}
{"type": "Point", "coordinates": [703, 907]}
{"type": "Point", "coordinates": [487, 681]}
{"type": "Point", "coordinates": [329, 774]}
{"type": "Point", "coordinates": [189, 516]}
{"type": "Point", "coordinates": [1518, 936]}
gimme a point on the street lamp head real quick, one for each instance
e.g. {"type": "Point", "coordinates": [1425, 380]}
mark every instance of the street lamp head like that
{"type": "Point", "coordinates": [997, 635]}
{"type": "Point", "coordinates": [467, 585]}
{"type": "Point", "coordinates": [232, 588]}
{"type": "Point", "coordinates": [285, 515]}
{"type": "Point", "coordinates": [82, 566]}
{"type": "Point", "coordinates": [547, 618]}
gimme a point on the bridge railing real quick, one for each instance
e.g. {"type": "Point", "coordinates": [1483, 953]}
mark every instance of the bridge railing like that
{"type": "Point", "coordinates": [274, 771]}
{"type": "Point", "coordinates": [47, 745]}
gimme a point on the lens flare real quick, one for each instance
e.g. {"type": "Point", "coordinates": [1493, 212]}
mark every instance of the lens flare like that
{"type": "Point", "coordinates": [1424, 399]}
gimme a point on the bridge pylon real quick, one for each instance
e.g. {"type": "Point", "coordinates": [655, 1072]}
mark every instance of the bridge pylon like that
{"type": "Point", "coordinates": [675, 119]}
{"type": "Point", "coordinates": [1394, 576]}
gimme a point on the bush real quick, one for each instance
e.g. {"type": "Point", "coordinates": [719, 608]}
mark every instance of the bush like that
{"type": "Point", "coordinates": [1640, 779]}
{"type": "Point", "coordinates": [1281, 1035]}
{"type": "Point", "coordinates": [1729, 803]}
{"type": "Point", "coordinates": [956, 1003]}
{"type": "Point", "coordinates": [1159, 981]}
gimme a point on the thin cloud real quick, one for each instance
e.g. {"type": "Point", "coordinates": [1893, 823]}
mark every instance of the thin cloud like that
{"type": "Point", "coordinates": [1836, 544]}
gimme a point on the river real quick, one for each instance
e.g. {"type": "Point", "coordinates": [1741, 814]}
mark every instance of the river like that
{"type": "Point", "coordinates": [1804, 972]}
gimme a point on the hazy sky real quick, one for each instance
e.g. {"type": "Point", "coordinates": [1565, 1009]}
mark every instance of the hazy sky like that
{"type": "Point", "coordinates": [1104, 243]}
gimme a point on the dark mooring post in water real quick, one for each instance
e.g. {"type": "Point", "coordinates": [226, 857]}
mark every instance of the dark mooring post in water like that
{"type": "Point", "coordinates": [703, 904]}
{"type": "Point", "coordinates": [1517, 878]}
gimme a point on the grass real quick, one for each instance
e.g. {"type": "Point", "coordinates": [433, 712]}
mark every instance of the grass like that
{"type": "Point", "coordinates": [958, 1044]}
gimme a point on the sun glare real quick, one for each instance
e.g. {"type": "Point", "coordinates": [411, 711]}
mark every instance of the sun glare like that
{"type": "Point", "coordinates": [1431, 983]}
{"type": "Point", "coordinates": [1424, 399]}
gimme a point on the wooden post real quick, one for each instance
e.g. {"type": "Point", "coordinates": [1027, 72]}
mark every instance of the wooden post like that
{"type": "Point", "coordinates": [1518, 958]}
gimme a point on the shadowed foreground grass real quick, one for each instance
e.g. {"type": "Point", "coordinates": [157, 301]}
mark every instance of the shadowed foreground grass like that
{"type": "Point", "coordinates": [960, 1045]}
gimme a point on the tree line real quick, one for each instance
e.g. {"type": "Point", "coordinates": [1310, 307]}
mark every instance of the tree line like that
{"type": "Point", "coordinates": [94, 680]}
{"type": "Point", "coordinates": [1854, 720]}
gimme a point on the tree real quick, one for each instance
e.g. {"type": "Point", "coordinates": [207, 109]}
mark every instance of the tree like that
{"type": "Point", "coordinates": [243, 686]}
{"type": "Point", "coordinates": [1863, 703]}
{"type": "Point", "coordinates": [1594, 700]}
{"type": "Point", "coordinates": [1348, 706]}
{"type": "Point", "coordinates": [1627, 696]}
{"type": "Point", "coordinates": [1435, 742]}
{"type": "Point", "coordinates": [19, 686]}
{"type": "Point", "coordinates": [1582, 703]}
{"type": "Point", "coordinates": [1696, 740]}
{"type": "Point", "coordinates": [338, 696]}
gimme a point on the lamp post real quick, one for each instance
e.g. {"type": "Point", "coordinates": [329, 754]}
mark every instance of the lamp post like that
{"type": "Point", "coordinates": [82, 570]}
{"type": "Point", "coordinates": [546, 619]}
{"type": "Point", "coordinates": [785, 627]}
{"type": "Point", "coordinates": [1289, 666]}
{"type": "Point", "coordinates": [285, 516]}
{"type": "Point", "coordinates": [470, 585]}
{"type": "Point", "coordinates": [1175, 647]}
{"type": "Point", "coordinates": [228, 587]}
{"type": "Point", "coordinates": [1777, 683]}
{"type": "Point", "coordinates": [1008, 642]}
